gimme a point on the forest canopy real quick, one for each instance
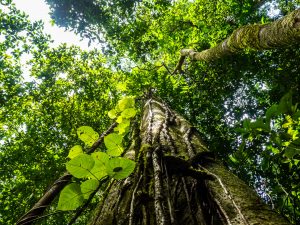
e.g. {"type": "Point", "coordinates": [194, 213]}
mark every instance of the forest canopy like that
{"type": "Point", "coordinates": [244, 105]}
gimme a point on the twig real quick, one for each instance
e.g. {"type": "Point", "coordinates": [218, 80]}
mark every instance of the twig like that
{"type": "Point", "coordinates": [167, 68]}
{"type": "Point", "coordinates": [179, 65]}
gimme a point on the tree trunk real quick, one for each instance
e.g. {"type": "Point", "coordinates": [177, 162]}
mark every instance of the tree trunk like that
{"type": "Point", "coordinates": [177, 181]}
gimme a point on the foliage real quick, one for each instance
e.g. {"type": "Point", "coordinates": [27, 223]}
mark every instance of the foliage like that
{"type": "Point", "coordinates": [278, 131]}
{"type": "Point", "coordinates": [69, 88]}
{"type": "Point", "coordinates": [98, 165]}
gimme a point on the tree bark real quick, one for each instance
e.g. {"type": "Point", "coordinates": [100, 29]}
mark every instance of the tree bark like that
{"type": "Point", "coordinates": [281, 33]}
{"type": "Point", "coordinates": [178, 181]}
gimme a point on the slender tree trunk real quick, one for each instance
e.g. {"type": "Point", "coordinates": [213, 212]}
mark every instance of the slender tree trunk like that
{"type": "Point", "coordinates": [281, 33]}
{"type": "Point", "coordinates": [178, 181]}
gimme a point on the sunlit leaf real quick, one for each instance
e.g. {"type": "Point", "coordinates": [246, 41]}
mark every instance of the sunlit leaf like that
{"type": "Point", "coordinates": [75, 151]}
{"type": "Point", "coordinates": [88, 187]}
{"type": "Point", "coordinates": [119, 119]}
{"type": "Point", "coordinates": [70, 197]}
{"type": "Point", "coordinates": [125, 103]}
{"type": "Point", "coordinates": [112, 114]}
{"type": "Point", "coordinates": [87, 135]}
{"type": "Point", "coordinates": [122, 128]}
{"type": "Point", "coordinates": [81, 165]}
{"type": "Point", "coordinates": [233, 159]}
{"type": "Point", "coordinates": [121, 86]}
{"type": "Point", "coordinates": [99, 169]}
{"type": "Point", "coordinates": [120, 168]}
{"type": "Point", "coordinates": [113, 144]}
{"type": "Point", "coordinates": [128, 113]}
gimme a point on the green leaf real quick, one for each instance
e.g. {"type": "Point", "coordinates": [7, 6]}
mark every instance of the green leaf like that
{"type": "Point", "coordinates": [121, 86]}
{"type": "Point", "coordinates": [240, 130]}
{"type": "Point", "coordinates": [291, 151]}
{"type": "Point", "coordinates": [122, 127]}
{"type": "Point", "coordinates": [70, 197]}
{"type": "Point", "coordinates": [296, 115]}
{"type": "Point", "coordinates": [113, 144]}
{"type": "Point", "coordinates": [112, 114]}
{"type": "Point", "coordinates": [119, 119]}
{"type": "Point", "coordinates": [265, 164]}
{"type": "Point", "coordinates": [259, 125]}
{"type": "Point", "coordinates": [88, 187]}
{"type": "Point", "coordinates": [87, 135]}
{"type": "Point", "coordinates": [246, 124]}
{"type": "Point", "coordinates": [242, 145]}
{"type": "Point", "coordinates": [285, 104]}
{"type": "Point", "coordinates": [75, 151]}
{"type": "Point", "coordinates": [99, 169]}
{"type": "Point", "coordinates": [120, 168]}
{"type": "Point", "coordinates": [233, 159]}
{"type": "Point", "coordinates": [125, 103]}
{"type": "Point", "coordinates": [272, 111]}
{"type": "Point", "coordinates": [128, 113]}
{"type": "Point", "coordinates": [81, 165]}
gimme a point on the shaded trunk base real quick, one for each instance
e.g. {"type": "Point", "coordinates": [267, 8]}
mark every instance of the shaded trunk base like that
{"type": "Point", "coordinates": [178, 181]}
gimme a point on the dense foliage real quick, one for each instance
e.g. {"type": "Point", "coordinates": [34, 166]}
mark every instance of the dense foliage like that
{"type": "Point", "coordinates": [69, 88]}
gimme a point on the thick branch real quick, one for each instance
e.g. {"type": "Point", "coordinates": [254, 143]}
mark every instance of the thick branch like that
{"type": "Point", "coordinates": [281, 33]}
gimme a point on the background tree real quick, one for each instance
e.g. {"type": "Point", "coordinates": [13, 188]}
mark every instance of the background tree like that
{"type": "Point", "coordinates": [39, 121]}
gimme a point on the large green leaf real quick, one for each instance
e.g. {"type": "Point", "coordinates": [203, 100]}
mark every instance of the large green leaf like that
{"type": "Point", "coordinates": [113, 144]}
{"type": "Point", "coordinates": [285, 103]}
{"type": "Point", "coordinates": [125, 103]}
{"type": "Point", "coordinates": [75, 151]}
{"type": "Point", "coordinates": [112, 114]}
{"type": "Point", "coordinates": [99, 169]}
{"type": "Point", "coordinates": [128, 113]}
{"type": "Point", "coordinates": [120, 168]}
{"type": "Point", "coordinates": [119, 119]}
{"type": "Point", "coordinates": [81, 165]}
{"type": "Point", "coordinates": [272, 111]}
{"type": "Point", "coordinates": [291, 151]}
{"type": "Point", "coordinates": [87, 135]}
{"type": "Point", "coordinates": [88, 187]}
{"type": "Point", "coordinates": [70, 197]}
{"type": "Point", "coordinates": [123, 127]}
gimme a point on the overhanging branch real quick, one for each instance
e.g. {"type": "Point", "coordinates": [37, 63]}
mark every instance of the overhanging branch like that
{"type": "Point", "coordinates": [281, 33]}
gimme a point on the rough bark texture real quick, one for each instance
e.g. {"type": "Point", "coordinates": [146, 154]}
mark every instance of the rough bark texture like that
{"type": "Point", "coordinates": [283, 32]}
{"type": "Point", "coordinates": [178, 181]}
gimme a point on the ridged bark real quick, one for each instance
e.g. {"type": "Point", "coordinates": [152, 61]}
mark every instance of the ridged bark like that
{"type": "Point", "coordinates": [177, 181]}
{"type": "Point", "coordinates": [281, 33]}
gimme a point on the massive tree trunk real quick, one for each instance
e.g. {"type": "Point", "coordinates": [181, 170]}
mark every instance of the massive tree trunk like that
{"type": "Point", "coordinates": [281, 33]}
{"type": "Point", "coordinates": [178, 181]}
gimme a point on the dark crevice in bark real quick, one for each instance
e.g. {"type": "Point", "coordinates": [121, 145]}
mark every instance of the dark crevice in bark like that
{"type": "Point", "coordinates": [178, 181]}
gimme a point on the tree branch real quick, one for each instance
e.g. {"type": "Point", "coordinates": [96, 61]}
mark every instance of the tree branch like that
{"type": "Point", "coordinates": [281, 33]}
{"type": "Point", "coordinates": [56, 187]}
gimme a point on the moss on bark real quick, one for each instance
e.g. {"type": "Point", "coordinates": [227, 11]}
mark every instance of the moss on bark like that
{"type": "Point", "coordinates": [177, 181]}
{"type": "Point", "coordinates": [283, 32]}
